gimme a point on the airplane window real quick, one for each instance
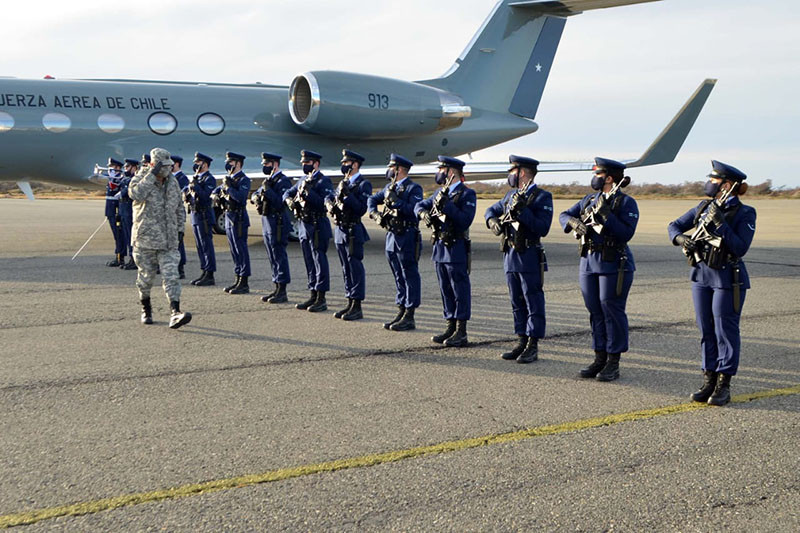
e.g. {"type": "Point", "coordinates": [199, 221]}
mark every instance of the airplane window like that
{"type": "Point", "coordinates": [56, 122]}
{"type": "Point", "coordinates": [6, 121]}
{"type": "Point", "coordinates": [110, 123]}
{"type": "Point", "coordinates": [210, 123]}
{"type": "Point", "coordinates": [162, 123]}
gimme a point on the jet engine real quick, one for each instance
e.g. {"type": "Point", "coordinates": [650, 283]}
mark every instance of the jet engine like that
{"type": "Point", "coordinates": [359, 106]}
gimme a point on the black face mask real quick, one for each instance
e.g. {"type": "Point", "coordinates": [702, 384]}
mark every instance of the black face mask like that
{"type": "Point", "coordinates": [195, 167]}
{"type": "Point", "coordinates": [346, 169]}
{"type": "Point", "coordinates": [267, 169]}
{"type": "Point", "coordinates": [513, 179]}
{"type": "Point", "coordinates": [712, 189]}
{"type": "Point", "coordinates": [441, 177]}
{"type": "Point", "coordinates": [228, 166]}
{"type": "Point", "coordinates": [598, 182]}
{"type": "Point", "coordinates": [128, 173]}
{"type": "Point", "coordinates": [308, 168]}
{"type": "Point", "coordinates": [390, 174]}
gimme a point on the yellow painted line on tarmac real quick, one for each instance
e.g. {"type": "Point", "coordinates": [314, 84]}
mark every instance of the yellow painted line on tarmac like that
{"type": "Point", "coordinates": [106, 504]}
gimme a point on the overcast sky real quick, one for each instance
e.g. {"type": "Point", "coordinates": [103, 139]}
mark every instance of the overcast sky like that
{"type": "Point", "coordinates": [619, 75]}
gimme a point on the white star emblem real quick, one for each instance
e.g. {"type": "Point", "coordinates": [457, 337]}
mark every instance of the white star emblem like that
{"type": "Point", "coordinates": [538, 67]}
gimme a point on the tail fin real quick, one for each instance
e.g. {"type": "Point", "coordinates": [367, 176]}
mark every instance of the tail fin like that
{"type": "Point", "coordinates": [506, 65]}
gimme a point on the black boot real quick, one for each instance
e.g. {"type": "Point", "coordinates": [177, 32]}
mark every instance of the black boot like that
{"type": "Point", "coordinates": [709, 383]}
{"type": "Point", "coordinates": [530, 353]}
{"type": "Point", "coordinates": [722, 392]}
{"type": "Point", "coordinates": [181, 272]}
{"type": "Point", "coordinates": [400, 312]}
{"type": "Point", "coordinates": [178, 319]}
{"type": "Point", "coordinates": [308, 303]}
{"type": "Point", "coordinates": [448, 332]}
{"type": "Point", "coordinates": [610, 372]}
{"type": "Point", "coordinates": [518, 349]}
{"type": "Point", "coordinates": [406, 323]}
{"type": "Point", "coordinates": [355, 312]}
{"type": "Point", "coordinates": [147, 311]}
{"type": "Point", "coordinates": [122, 262]}
{"type": "Point", "coordinates": [266, 298]}
{"type": "Point", "coordinates": [280, 296]}
{"type": "Point", "coordinates": [229, 288]}
{"type": "Point", "coordinates": [591, 371]}
{"type": "Point", "coordinates": [201, 278]}
{"type": "Point", "coordinates": [459, 338]}
{"type": "Point", "coordinates": [130, 265]}
{"type": "Point", "coordinates": [242, 287]}
{"type": "Point", "coordinates": [117, 261]}
{"type": "Point", "coordinates": [206, 281]}
{"type": "Point", "coordinates": [340, 313]}
{"type": "Point", "coordinates": [319, 304]}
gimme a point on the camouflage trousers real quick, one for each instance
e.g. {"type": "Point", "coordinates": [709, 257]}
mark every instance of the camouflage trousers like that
{"type": "Point", "coordinates": [149, 261]}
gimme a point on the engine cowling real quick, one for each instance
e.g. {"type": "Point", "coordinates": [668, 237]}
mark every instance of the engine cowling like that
{"type": "Point", "coordinates": [359, 106]}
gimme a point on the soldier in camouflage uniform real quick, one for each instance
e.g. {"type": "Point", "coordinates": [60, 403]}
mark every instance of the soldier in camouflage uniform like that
{"type": "Point", "coordinates": [158, 216]}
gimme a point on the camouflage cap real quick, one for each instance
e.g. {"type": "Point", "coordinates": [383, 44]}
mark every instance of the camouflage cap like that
{"type": "Point", "coordinates": [159, 155]}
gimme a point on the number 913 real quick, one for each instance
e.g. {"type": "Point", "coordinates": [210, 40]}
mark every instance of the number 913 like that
{"type": "Point", "coordinates": [378, 101]}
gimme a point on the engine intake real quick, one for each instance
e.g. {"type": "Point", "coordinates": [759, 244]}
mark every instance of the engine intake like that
{"type": "Point", "coordinates": [359, 106]}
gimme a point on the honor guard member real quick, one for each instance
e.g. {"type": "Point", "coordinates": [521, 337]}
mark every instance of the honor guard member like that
{"type": "Point", "coordinates": [157, 216]}
{"type": "Point", "coordinates": [449, 212]}
{"type": "Point", "coordinates": [112, 210]}
{"type": "Point", "coordinates": [126, 212]}
{"type": "Point", "coordinates": [604, 222]}
{"type": "Point", "coordinates": [183, 182]}
{"type": "Point", "coordinates": [197, 196]}
{"type": "Point", "coordinates": [275, 224]}
{"type": "Point", "coordinates": [346, 206]}
{"type": "Point", "coordinates": [522, 218]}
{"type": "Point", "coordinates": [307, 200]}
{"type": "Point", "coordinates": [403, 239]}
{"type": "Point", "coordinates": [722, 229]}
{"type": "Point", "coordinates": [232, 195]}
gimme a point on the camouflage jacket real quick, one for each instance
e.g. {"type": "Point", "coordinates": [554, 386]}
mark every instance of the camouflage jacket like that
{"type": "Point", "coordinates": [158, 213]}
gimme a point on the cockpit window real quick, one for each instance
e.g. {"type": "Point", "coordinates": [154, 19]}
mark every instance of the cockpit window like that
{"type": "Point", "coordinates": [210, 123]}
{"type": "Point", "coordinates": [162, 123]}
{"type": "Point", "coordinates": [110, 123]}
{"type": "Point", "coordinates": [6, 121]}
{"type": "Point", "coordinates": [56, 122]}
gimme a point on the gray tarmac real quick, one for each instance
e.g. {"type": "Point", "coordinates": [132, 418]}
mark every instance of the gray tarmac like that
{"type": "Point", "coordinates": [96, 406]}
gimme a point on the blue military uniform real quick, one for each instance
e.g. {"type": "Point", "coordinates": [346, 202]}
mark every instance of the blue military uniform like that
{"type": "Point", "coordinates": [719, 280]}
{"type": "Point", "coordinates": [197, 195]}
{"type": "Point", "coordinates": [347, 205]}
{"type": "Point", "coordinates": [315, 228]}
{"type": "Point", "coordinates": [236, 189]}
{"type": "Point", "coordinates": [126, 215]}
{"type": "Point", "coordinates": [183, 182]}
{"type": "Point", "coordinates": [403, 239]}
{"type": "Point", "coordinates": [275, 226]}
{"type": "Point", "coordinates": [523, 217]}
{"type": "Point", "coordinates": [606, 266]}
{"type": "Point", "coordinates": [112, 213]}
{"type": "Point", "coordinates": [452, 217]}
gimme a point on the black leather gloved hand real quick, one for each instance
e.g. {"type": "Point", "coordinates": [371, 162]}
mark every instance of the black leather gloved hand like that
{"type": "Point", "coordinates": [425, 216]}
{"type": "Point", "coordinates": [715, 214]}
{"type": "Point", "coordinates": [577, 226]}
{"type": "Point", "coordinates": [494, 225]}
{"type": "Point", "coordinates": [602, 208]}
{"type": "Point", "coordinates": [686, 242]}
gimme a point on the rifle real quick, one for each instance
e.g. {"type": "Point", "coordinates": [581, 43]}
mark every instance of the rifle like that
{"type": "Point", "coordinates": [189, 197]}
{"type": "Point", "coordinates": [590, 218]}
{"type": "Point", "coordinates": [336, 206]}
{"type": "Point", "coordinates": [702, 234]}
{"type": "Point", "coordinates": [388, 214]}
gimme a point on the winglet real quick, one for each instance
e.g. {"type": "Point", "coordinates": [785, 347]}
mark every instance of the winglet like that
{"type": "Point", "coordinates": [25, 187]}
{"type": "Point", "coordinates": [667, 145]}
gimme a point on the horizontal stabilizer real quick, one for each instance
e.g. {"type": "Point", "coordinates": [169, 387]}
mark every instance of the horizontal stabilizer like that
{"type": "Point", "coordinates": [566, 8]}
{"type": "Point", "coordinates": [667, 145]}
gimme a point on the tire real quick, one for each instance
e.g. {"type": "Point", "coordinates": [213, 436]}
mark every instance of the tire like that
{"type": "Point", "coordinates": [219, 222]}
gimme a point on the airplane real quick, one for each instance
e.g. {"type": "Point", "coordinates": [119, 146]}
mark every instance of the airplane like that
{"type": "Point", "coordinates": [78, 123]}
